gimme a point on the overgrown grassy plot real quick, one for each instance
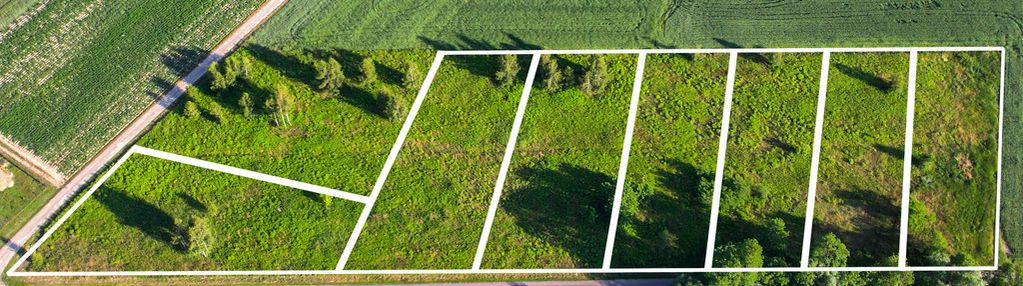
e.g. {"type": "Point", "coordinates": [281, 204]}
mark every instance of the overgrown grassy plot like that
{"type": "Point", "coordinates": [337, 137]}
{"type": "Point", "coordinates": [431, 210]}
{"type": "Point", "coordinates": [156, 215]}
{"type": "Point", "coordinates": [767, 164]}
{"type": "Point", "coordinates": [556, 205]}
{"type": "Point", "coordinates": [666, 203]}
{"type": "Point", "coordinates": [952, 213]}
{"type": "Point", "coordinates": [79, 71]}
{"type": "Point", "coordinates": [860, 174]}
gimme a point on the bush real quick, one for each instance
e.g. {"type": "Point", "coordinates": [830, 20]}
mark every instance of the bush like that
{"type": "Point", "coordinates": [191, 110]}
{"type": "Point", "coordinates": [509, 70]}
{"type": "Point", "coordinates": [369, 71]}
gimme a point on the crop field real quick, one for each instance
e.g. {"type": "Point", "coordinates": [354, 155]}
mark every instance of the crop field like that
{"type": "Point", "coordinates": [153, 214]}
{"type": "Point", "coordinates": [80, 70]}
{"type": "Point", "coordinates": [955, 143]}
{"type": "Point", "coordinates": [555, 209]}
{"type": "Point", "coordinates": [860, 176]}
{"type": "Point", "coordinates": [21, 196]}
{"type": "Point", "coordinates": [12, 9]}
{"type": "Point", "coordinates": [432, 207]}
{"type": "Point", "coordinates": [672, 161]}
{"type": "Point", "coordinates": [767, 165]}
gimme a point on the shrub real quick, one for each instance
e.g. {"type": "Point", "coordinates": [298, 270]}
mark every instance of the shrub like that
{"type": "Point", "coordinates": [191, 110]}
{"type": "Point", "coordinates": [246, 103]}
{"type": "Point", "coordinates": [330, 74]}
{"type": "Point", "coordinates": [412, 76]}
{"type": "Point", "coordinates": [509, 70]}
{"type": "Point", "coordinates": [596, 79]}
{"type": "Point", "coordinates": [369, 71]}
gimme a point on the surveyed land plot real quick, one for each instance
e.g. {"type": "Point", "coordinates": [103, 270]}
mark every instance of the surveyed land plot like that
{"type": "Point", "coordinates": [767, 167]}
{"type": "Point", "coordinates": [860, 175]}
{"type": "Point", "coordinates": [531, 164]}
{"type": "Point", "coordinates": [152, 214]}
{"type": "Point", "coordinates": [556, 204]}
{"type": "Point", "coordinates": [672, 161]}
{"type": "Point", "coordinates": [955, 159]}
{"type": "Point", "coordinates": [431, 209]}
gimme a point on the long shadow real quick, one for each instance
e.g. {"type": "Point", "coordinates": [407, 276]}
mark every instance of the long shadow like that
{"type": "Point", "coordinates": [786, 147]}
{"type": "Point", "coordinates": [465, 42]}
{"type": "Point", "coordinates": [567, 206]}
{"type": "Point", "coordinates": [877, 234]}
{"type": "Point", "coordinates": [191, 202]}
{"type": "Point", "coordinates": [147, 218]}
{"type": "Point", "coordinates": [898, 153]}
{"type": "Point", "coordinates": [181, 60]}
{"type": "Point", "coordinates": [673, 232]}
{"type": "Point", "coordinates": [757, 58]}
{"type": "Point", "coordinates": [884, 85]}
{"type": "Point", "coordinates": [290, 66]}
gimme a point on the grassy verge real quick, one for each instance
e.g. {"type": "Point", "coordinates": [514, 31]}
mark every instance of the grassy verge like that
{"type": "Point", "coordinates": [860, 175]}
{"type": "Point", "coordinates": [666, 206]}
{"type": "Point", "coordinates": [767, 164]}
{"type": "Point", "coordinates": [955, 159]}
{"type": "Point", "coordinates": [555, 209]}
{"type": "Point", "coordinates": [432, 208]}
{"type": "Point", "coordinates": [155, 215]}
{"type": "Point", "coordinates": [21, 200]}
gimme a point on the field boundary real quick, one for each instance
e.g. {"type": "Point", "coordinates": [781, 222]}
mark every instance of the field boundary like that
{"type": "Point", "coordinates": [733, 54]}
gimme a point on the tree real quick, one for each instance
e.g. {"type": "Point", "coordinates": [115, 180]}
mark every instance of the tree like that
{"type": "Point", "coordinates": [412, 76]}
{"type": "Point", "coordinates": [217, 79]}
{"type": "Point", "coordinates": [553, 77]}
{"type": "Point", "coordinates": [509, 70]}
{"type": "Point", "coordinates": [330, 74]}
{"type": "Point", "coordinates": [747, 253]}
{"type": "Point", "coordinates": [191, 109]}
{"type": "Point", "coordinates": [231, 67]}
{"type": "Point", "coordinates": [201, 238]}
{"type": "Point", "coordinates": [239, 65]}
{"type": "Point", "coordinates": [391, 108]}
{"type": "Point", "coordinates": [777, 236]}
{"type": "Point", "coordinates": [246, 103]}
{"type": "Point", "coordinates": [284, 103]}
{"type": "Point", "coordinates": [596, 79]}
{"type": "Point", "coordinates": [369, 70]}
{"type": "Point", "coordinates": [271, 105]}
{"type": "Point", "coordinates": [829, 252]}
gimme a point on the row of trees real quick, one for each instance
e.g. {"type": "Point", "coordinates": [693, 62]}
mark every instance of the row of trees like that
{"type": "Point", "coordinates": [594, 81]}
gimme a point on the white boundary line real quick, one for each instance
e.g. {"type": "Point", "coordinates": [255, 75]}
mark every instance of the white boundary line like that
{"type": "Point", "coordinates": [727, 51]}
{"type": "Point", "coordinates": [390, 160]}
{"type": "Point", "coordinates": [339, 271]}
{"type": "Point", "coordinates": [719, 173]}
{"type": "Point", "coordinates": [499, 271]}
{"type": "Point", "coordinates": [998, 179]}
{"type": "Point", "coordinates": [623, 166]}
{"type": "Point", "coordinates": [250, 174]}
{"type": "Point", "coordinates": [907, 159]}
{"type": "Point", "coordinates": [818, 133]}
{"type": "Point", "coordinates": [502, 175]}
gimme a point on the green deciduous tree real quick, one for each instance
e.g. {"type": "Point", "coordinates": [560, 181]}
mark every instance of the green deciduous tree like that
{"type": "Point", "coordinates": [777, 236]}
{"type": "Point", "coordinates": [552, 76]}
{"type": "Point", "coordinates": [391, 107]}
{"type": "Point", "coordinates": [413, 78]}
{"type": "Point", "coordinates": [246, 103]}
{"type": "Point", "coordinates": [509, 70]}
{"type": "Point", "coordinates": [330, 74]}
{"type": "Point", "coordinates": [217, 80]}
{"type": "Point", "coordinates": [596, 79]}
{"type": "Point", "coordinates": [369, 70]}
{"type": "Point", "coordinates": [191, 109]}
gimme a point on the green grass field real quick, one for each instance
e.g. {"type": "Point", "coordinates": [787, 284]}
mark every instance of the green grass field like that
{"type": "Point", "coordinates": [155, 215]}
{"type": "Point", "coordinates": [80, 70]}
{"type": "Point", "coordinates": [860, 174]}
{"type": "Point", "coordinates": [955, 143]}
{"type": "Point", "coordinates": [21, 200]}
{"type": "Point", "coordinates": [556, 205]}
{"type": "Point", "coordinates": [671, 163]}
{"type": "Point", "coordinates": [431, 210]}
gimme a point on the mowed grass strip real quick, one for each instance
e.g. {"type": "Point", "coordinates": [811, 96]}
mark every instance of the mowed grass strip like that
{"type": "Point", "coordinates": [157, 215]}
{"type": "Point", "coordinates": [432, 207]}
{"type": "Point", "coordinates": [767, 161]}
{"type": "Point", "coordinates": [665, 210]}
{"type": "Point", "coordinates": [337, 138]}
{"type": "Point", "coordinates": [860, 176]}
{"type": "Point", "coordinates": [21, 195]}
{"type": "Point", "coordinates": [955, 149]}
{"type": "Point", "coordinates": [556, 205]}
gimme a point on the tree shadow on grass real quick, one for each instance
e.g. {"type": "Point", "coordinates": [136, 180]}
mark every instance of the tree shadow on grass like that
{"type": "Point", "coordinates": [882, 84]}
{"type": "Point", "coordinates": [673, 230]}
{"type": "Point", "coordinates": [755, 57]}
{"type": "Point", "coordinates": [567, 206]}
{"type": "Point", "coordinates": [191, 202]}
{"type": "Point", "coordinates": [899, 154]}
{"type": "Point", "coordinates": [147, 218]}
{"type": "Point", "coordinates": [876, 235]}
{"type": "Point", "coordinates": [290, 66]}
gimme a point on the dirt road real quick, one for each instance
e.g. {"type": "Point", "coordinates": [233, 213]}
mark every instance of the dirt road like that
{"type": "Point", "coordinates": [120, 143]}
